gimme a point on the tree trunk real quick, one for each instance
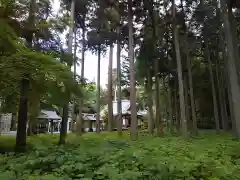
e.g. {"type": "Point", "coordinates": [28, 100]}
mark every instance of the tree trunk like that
{"type": "Point", "coordinates": [215, 105]}
{"type": "Point", "coordinates": [22, 117]}
{"type": "Point", "coordinates": [14, 122]}
{"type": "Point", "coordinates": [25, 84]}
{"type": "Point", "coordinates": [193, 121]}
{"type": "Point", "coordinates": [170, 116]}
{"type": "Point", "coordinates": [110, 95]}
{"type": "Point", "coordinates": [132, 74]}
{"type": "Point", "coordinates": [232, 70]}
{"type": "Point", "coordinates": [80, 117]}
{"type": "Point", "coordinates": [64, 124]}
{"type": "Point", "coordinates": [75, 54]}
{"type": "Point", "coordinates": [63, 129]}
{"type": "Point", "coordinates": [231, 110]}
{"type": "Point", "coordinates": [220, 74]}
{"type": "Point", "coordinates": [191, 93]}
{"type": "Point", "coordinates": [51, 125]}
{"type": "Point", "coordinates": [185, 84]}
{"type": "Point", "coordinates": [192, 100]}
{"type": "Point", "coordinates": [233, 28]}
{"type": "Point", "coordinates": [29, 127]}
{"type": "Point", "coordinates": [158, 121]}
{"type": "Point", "coordinates": [98, 91]}
{"type": "Point", "coordinates": [225, 86]}
{"type": "Point", "coordinates": [223, 115]}
{"type": "Point", "coordinates": [149, 102]}
{"type": "Point", "coordinates": [74, 73]}
{"type": "Point", "coordinates": [176, 106]}
{"type": "Point", "coordinates": [158, 118]}
{"type": "Point", "coordinates": [180, 78]}
{"type": "Point", "coordinates": [34, 107]}
{"type": "Point", "coordinates": [223, 89]}
{"type": "Point", "coordinates": [118, 88]}
{"type": "Point", "coordinates": [168, 107]}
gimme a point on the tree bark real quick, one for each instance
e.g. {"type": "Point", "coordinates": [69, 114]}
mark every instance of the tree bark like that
{"type": "Point", "coordinates": [22, 117]}
{"type": "Point", "coordinates": [132, 74]}
{"type": "Point", "coordinates": [110, 95]}
{"type": "Point", "coordinates": [185, 84]}
{"type": "Point", "coordinates": [149, 102]}
{"type": "Point", "coordinates": [168, 107]}
{"type": "Point", "coordinates": [191, 93]}
{"type": "Point", "coordinates": [233, 26]}
{"type": "Point", "coordinates": [64, 124]}
{"type": "Point", "coordinates": [118, 87]}
{"type": "Point", "coordinates": [176, 106]}
{"type": "Point", "coordinates": [180, 76]}
{"type": "Point", "coordinates": [63, 129]}
{"type": "Point", "coordinates": [13, 122]}
{"type": "Point", "coordinates": [34, 106]}
{"type": "Point", "coordinates": [75, 54]}
{"type": "Point", "coordinates": [25, 84]}
{"type": "Point", "coordinates": [158, 118]}
{"type": "Point", "coordinates": [74, 73]}
{"type": "Point", "coordinates": [231, 110]}
{"type": "Point", "coordinates": [98, 90]}
{"type": "Point", "coordinates": [225, 86]}
{"type": "Point", "coordinates": [80, 117]}
{"type": "Point", "coordinates": [222, 110]}
{"type": "Point", "coordinates": [232, 70]}
{"type": "Point", "coordinates": [193, 121]}
{"type": "Point", "coordinates": [170, 116]}
{"type": "Point", "coordinates": [215, 105]}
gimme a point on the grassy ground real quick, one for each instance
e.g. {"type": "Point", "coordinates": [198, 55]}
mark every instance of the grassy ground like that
{"type": "Point", "coordinates": [107, 156]}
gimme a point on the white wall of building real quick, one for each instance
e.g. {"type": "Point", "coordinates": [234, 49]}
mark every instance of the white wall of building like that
{"type": "Point", "coordinates": [5, 122]}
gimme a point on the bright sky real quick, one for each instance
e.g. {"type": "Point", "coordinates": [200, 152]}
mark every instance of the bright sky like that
{"type": "Point", "coordinates": [91, 60]}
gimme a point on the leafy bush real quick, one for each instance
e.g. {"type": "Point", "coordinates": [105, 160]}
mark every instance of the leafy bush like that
{"type": "Point", "coordinates": [106, 156]}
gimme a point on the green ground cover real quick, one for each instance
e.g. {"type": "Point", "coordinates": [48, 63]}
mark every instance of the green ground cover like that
{"type": "Point", "coordinates": [106, 156]}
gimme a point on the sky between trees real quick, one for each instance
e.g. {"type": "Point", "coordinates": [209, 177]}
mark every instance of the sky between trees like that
{"type": "Point", "coordinates": [91, 59]}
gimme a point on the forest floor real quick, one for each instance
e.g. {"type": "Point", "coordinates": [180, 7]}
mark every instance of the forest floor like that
{"type": "Point", "coordinates": [106, 156]}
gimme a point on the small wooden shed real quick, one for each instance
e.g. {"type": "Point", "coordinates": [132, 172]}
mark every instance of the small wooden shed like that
{"type": "Point", "coordinates": [49, 122]}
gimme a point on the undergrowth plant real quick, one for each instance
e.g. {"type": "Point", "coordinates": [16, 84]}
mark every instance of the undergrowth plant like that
{"type": "Point", "coordinates": [106, 156]}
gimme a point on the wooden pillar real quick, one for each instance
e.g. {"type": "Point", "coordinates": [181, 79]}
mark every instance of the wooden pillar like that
{"type": "Point", "coordinates": [68, 125]}
{"type": "Point", "coordinates": [59, 124]}
{"type": "Point", "coordinates": [49, 126]}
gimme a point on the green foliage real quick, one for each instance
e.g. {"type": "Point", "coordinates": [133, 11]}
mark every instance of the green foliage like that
{"type": "Point", "coordinates": [89, 95]}
{"type": "Point", "coordinates": [104, 116]}
{"type": "Point", "coordinates": [89, 92]}
{"type": "Point", "coordinates": [49, 78]}
{"type": "Point", "coordinates": [107, 156]}
{"type": "Point", "coordinates": [141, 96]}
